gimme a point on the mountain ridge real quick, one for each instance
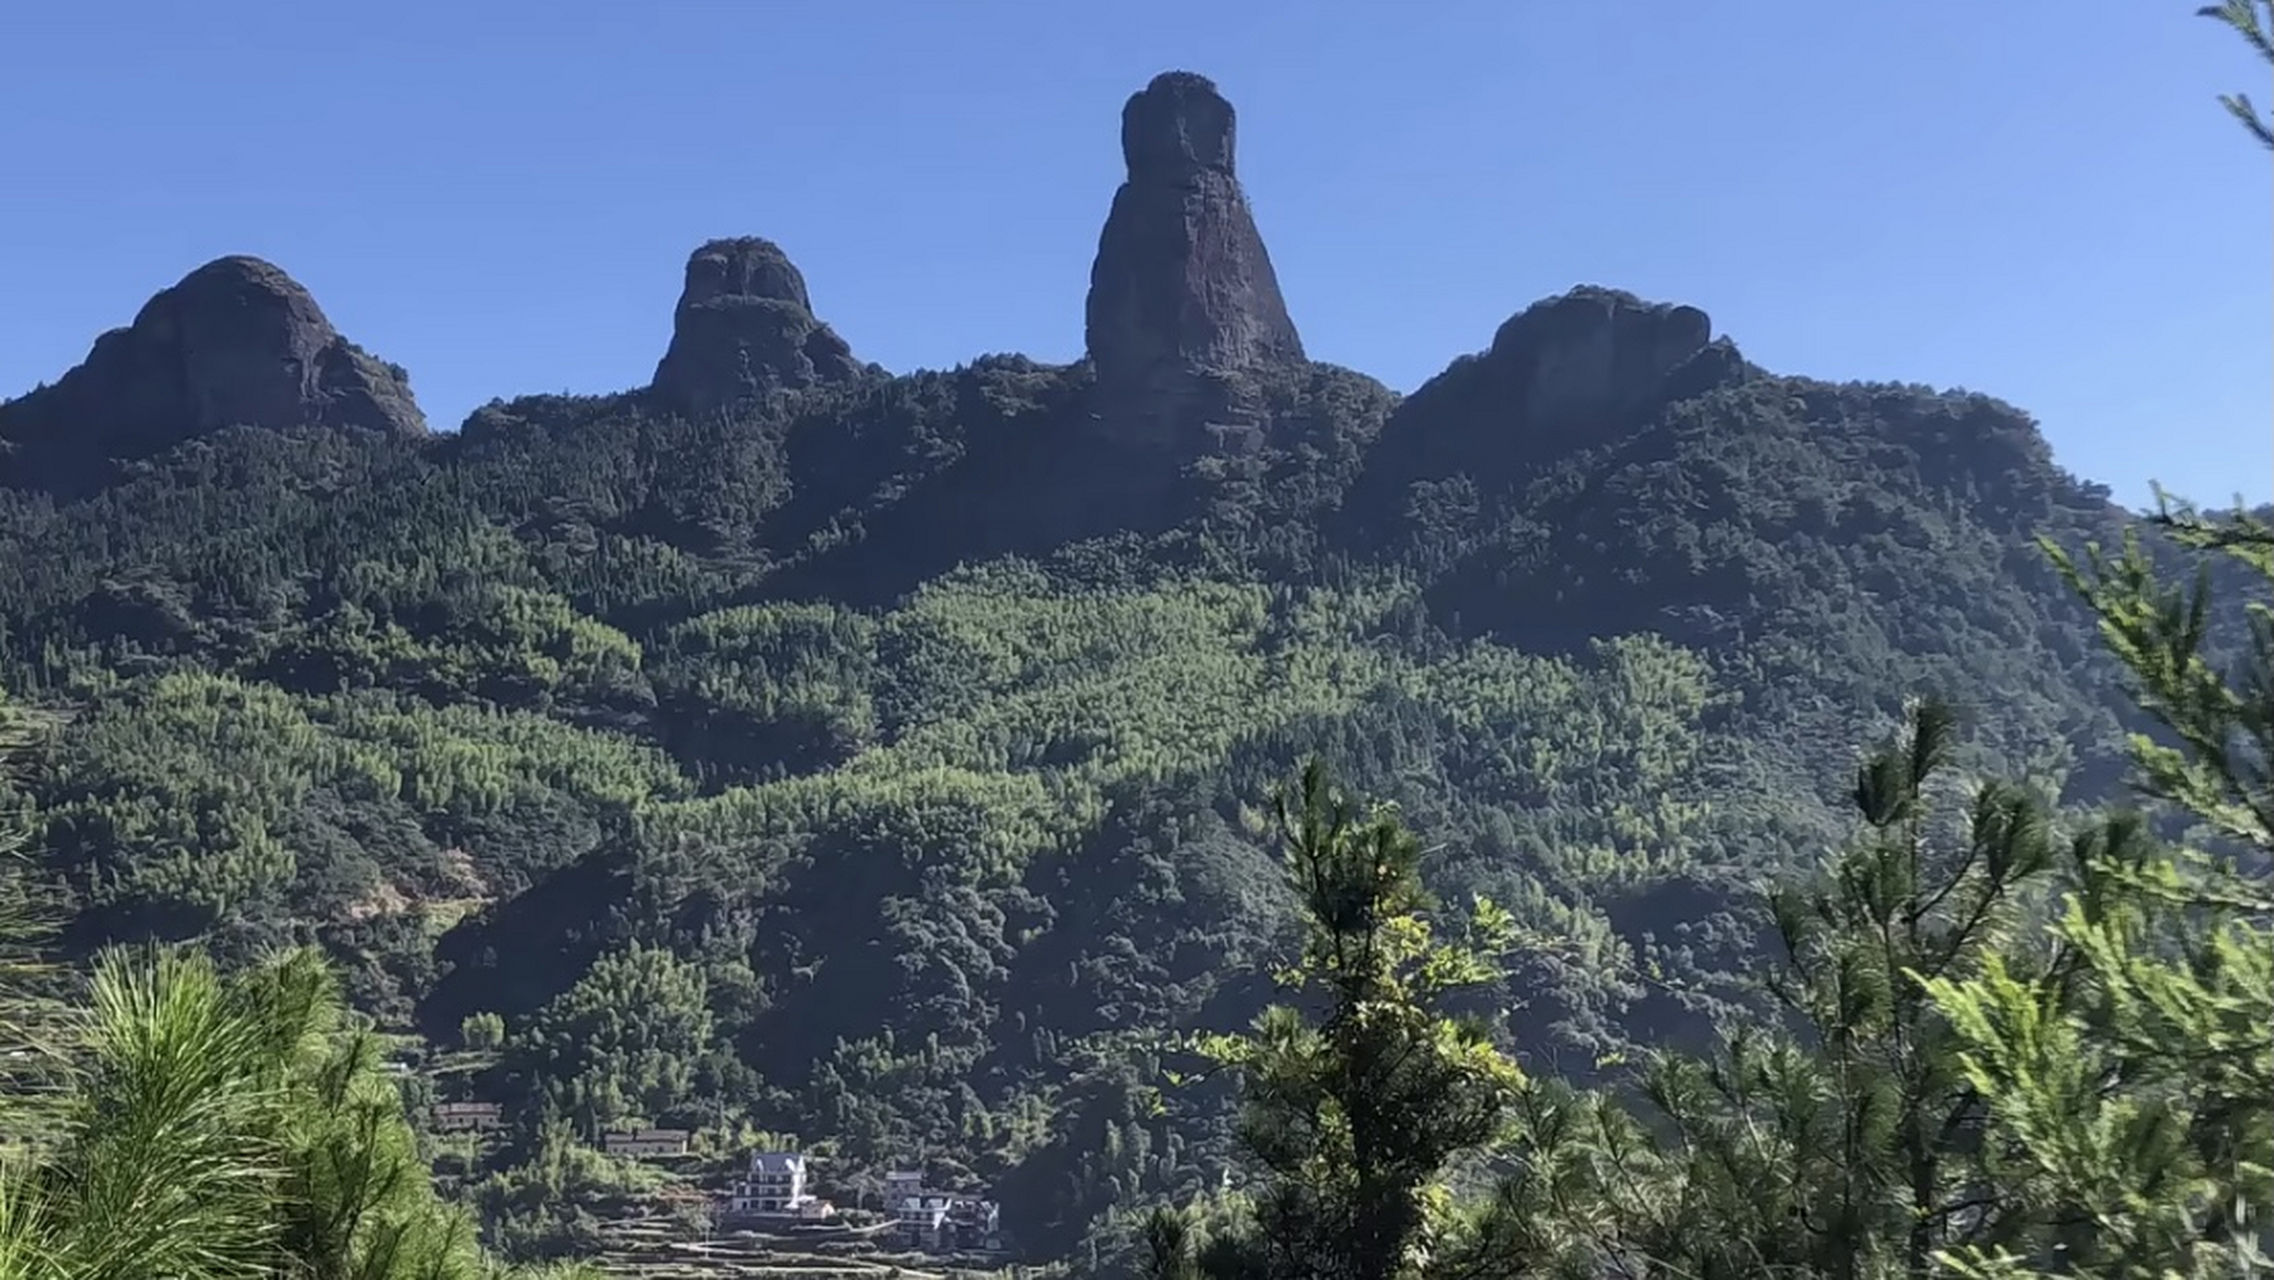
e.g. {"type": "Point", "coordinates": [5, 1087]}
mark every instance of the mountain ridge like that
{"type": "Point", "coordinates": [875, 758]}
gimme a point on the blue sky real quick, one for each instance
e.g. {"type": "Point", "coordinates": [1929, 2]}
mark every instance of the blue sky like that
{"type": "Point", "coordinates": [2034, 198]}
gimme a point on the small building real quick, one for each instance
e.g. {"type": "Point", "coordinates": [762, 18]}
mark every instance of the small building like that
{"type": "Point", "coordinates": [776, 1187]}
{"type": "Point", "coordinates": [919, 1219]}
{"type": "Point", "coordinates": [646, 1144]}
{"type": "Point", "coordinates": [973, 1225]}
{"type": "Point", "coordinates": [449, 1117]}
{"type": "Point", "coordinates": [940, 1221]}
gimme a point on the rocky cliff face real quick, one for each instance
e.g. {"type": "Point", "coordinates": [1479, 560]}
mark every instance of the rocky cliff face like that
{"type": "Point", "coordinates": [1593, 355]}
{"type": "Point", "coordinates": [1183, 300]}
{"type": "Point", "coordinates": [1572, 372]}
{"type": "Point", "coordinates": [236, 343]}
{"type": "Point", "coordinates": [745, 326]}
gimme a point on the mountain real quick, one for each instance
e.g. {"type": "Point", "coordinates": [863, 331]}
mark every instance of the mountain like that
{"type": "Point", "coordinates": [878, 758]}
{"type": "Point", "coordinates": [236, 341]}
{"type": "Point", "coordinates": [744, 326]}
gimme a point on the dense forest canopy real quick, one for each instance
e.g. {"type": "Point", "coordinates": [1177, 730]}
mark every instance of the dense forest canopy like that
{"type": "Point", "coordinates": [880, 762]}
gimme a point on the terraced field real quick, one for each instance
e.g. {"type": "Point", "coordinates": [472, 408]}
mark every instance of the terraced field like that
{"type": "Point", "coordinates": [654, 1249]}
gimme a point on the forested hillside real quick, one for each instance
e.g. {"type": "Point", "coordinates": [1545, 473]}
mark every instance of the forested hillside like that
{"type": "Point", "coordinates": [879, 759]}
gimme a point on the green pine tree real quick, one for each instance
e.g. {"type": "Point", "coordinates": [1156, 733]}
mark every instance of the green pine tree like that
{"type": "Point", "coordinates": [1836, 1141]}
{"type": "Point", "coordinates": [185, 1122]}
{"type": "Point", "coordinates": [2137, 1099]}
{"type": "Point", "coordinates": [1356, 1111]}
{"type": "Point", "coordinates": [2253, 20]}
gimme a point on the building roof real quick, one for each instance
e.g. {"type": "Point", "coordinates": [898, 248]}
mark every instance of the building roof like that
{"type": "Point", "coordinates": [776, 1161]}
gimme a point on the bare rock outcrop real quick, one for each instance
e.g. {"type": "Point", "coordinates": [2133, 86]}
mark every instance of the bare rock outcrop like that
{"type": "Point", "coordinates": [1570, 372]}
{"type": "Point", "coordinates": [1596, 355]}
{"type": "Point", "coordinates": [745, 326]}
{"type": "Point", "coordinates": [236, 343]}
{"type": "Point", "coordinates": [1182, 296]}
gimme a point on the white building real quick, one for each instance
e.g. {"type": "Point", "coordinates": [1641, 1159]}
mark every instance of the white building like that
{"type": "Point", "coordinates": [775, 1185]}
{"type": "Point", "coordinates": [940, 1221]}
{"type": "Point", "coordinates": [921, 1216]}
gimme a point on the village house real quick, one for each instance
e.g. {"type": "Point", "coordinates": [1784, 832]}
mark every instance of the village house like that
{"type": "Point", "coordinates": [901, 1184]}
{"type": "Point", "coordinates": [449, 1117]}
{"type": "Point", "coordinates": [646, 1144]}
{"type": "Point", "coordinates": [973, 1226]}
{"type": "Point", "coordinates": [940, 1221]}
{"type": "Point", "coordinates": [775, 1187]}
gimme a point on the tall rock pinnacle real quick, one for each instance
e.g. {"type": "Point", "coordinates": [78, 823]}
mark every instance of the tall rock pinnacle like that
{"type": "Point", "coordinates": [746, 326]}
{"type": "Point", "coordinates": [236, 343]}
{"type": "Point", "coordinates": [1182, 291]}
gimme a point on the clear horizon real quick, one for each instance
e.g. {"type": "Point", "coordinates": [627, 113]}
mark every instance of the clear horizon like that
{"type": "Point", "coordinates": [2041, 203]}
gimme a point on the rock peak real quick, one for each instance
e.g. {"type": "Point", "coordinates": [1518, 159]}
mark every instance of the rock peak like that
{"type": "Point", "coordinates": [1593, 355]}
{"type": "Point", "coordinates": [1176, 127]}
{"type": "Point", "coordinates": [246, 269]}
{"type": "Point", "coordinates": [743, 266]}
{"type": "Point", "coordinates": [745, 326]}
{"type": "Point", "coordinates": [1183, 300]}
{"type": "Point", "coordinates": [236, 342]}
